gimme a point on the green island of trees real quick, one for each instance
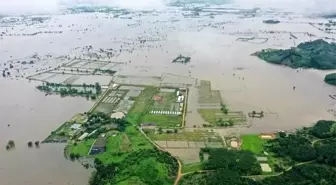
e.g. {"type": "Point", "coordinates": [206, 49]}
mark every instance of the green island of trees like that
{"type": "Point", "coordinates": [317, 54]}
{"type": "Point", "coordinates": [330, 79]}
{"type": "Point", "coordinates": [91, 90]}
{"type": "Point", "coordinates": [181, 59]}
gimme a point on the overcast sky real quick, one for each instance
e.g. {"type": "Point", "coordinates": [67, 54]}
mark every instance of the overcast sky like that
{"type": "Point", "coordinates": [29, 6]}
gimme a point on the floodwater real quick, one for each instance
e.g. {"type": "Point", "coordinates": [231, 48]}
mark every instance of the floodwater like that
{"type": "Point", "coordinates": [215, 56]}
{"type": "Point", "coordinates": [32, 116]}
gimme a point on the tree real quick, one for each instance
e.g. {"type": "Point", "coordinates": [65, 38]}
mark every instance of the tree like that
{"type": "Point", "coordinates": [98, 88]}
{"type": "Point", "coordinates": [72, 156]}
{"type": "Point", "coordinates": [11, 143]}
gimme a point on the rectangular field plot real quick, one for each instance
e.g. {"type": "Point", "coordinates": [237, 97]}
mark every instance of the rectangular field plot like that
{"type": "Point", "coordinates": [42, 76]}
{"type": "Point", "coordinates": [163, 120]}
{"type": "Point", "coordinates": [206, 95]}
{"type": "Point", "coordinates": [165, 101]}
{"type": "Point", "coordinates": [124, 105]}
{"type": "Point", "coordinates": [92, 79]}
{"type": "Point", "coordinates": [168, 78]}
{"type": "Point", "coordinates": [189, 155]}
{"type": "Point", "coordinates": [125, 145]}
{"type": "Point", "coordinates": [141, 105]}
{"type": "Point", "coordinates": [215, 116]}
{"type": "Point", "coordinates": [138, 80]}
{"type": "Point", "coordinates": [111, 101]}
{"type": "Point", "coordinates": [197, 136]}
{"type": "Point", "coordinates": [112, 66]}
{"type": "Point", "coordinates": [59, 78]}
{"type": "Point", "coordinates": [93, 65]}
{"type": "Point", "coordinates": [77, 63]}
{"type": "Point", "coordinates": [253, 143]}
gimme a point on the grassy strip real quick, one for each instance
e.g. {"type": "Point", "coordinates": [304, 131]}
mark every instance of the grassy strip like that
{"type": "Point", "coordinates": [253, 143]}
{"type": "Point", "coordinates": [141, 105]}
{"type": "Point", "coordinates": [191, 167]}
{"type": "Point", "coordinates": [163, 120]}
{"type": "Point", "coordinates": [82, 148]}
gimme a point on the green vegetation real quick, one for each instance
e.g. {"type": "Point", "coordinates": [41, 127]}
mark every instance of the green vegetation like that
{"type": "Point", "coordinates": [253, 143]}
{"type": "Point", "coordinates": [270, 21]}
{"type": "Point", "coordinates": [193, 167]}
{"type": "Point", "coordinates": [224, 167]}
{"type": "Point", "coordinates": [71, 90]}
{"type": "Point", "coordinates": [164, 101]}
{"type": "Point", "coordinates": [81, 148]}
{"type": "Point", "coordinates": [330, 79]}
{"type": "Point", "coordinates": [137, 140]}
{"type": "Point", "coordinates": [165, 121]}
{"type": "Point", "coordinates": [186, 136]}
{"type": "Point", "coordinates": [311, 153]}
{"type": "Point", "coordinates": [243, 162]}
{"type": "Point", "coordinates": [143, 167]}
{"type": "Point", "coordinates": [118, 147]}
{"type": "Point", "coordinates": [324, 129]}
{"type": "Point", "coordinates": [219, 118]}
{"type": "Point", "coordinates": [317, 54]}
{"type": "Point", "coordinates": [181, 59]}
{"type": "Point", "coordinates": [308, 174]}
{"type": "Point", "coordinates": [141, 105]}
{"type": "Point", "coordinates": [297, 147]}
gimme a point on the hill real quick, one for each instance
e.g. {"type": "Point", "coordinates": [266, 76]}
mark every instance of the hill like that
{"type": "Point", "coordinates": [317, 54]}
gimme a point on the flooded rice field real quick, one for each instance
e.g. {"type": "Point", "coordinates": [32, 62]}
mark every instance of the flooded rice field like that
{"type": "Point", "coordinates": [139, 49]}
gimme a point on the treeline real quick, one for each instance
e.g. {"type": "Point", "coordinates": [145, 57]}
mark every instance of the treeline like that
{"type": "Point", "coordinates": [295, 146]}
{"type": "Point", "coordinates": [308, 174]}
{"type": "Point", "coordinates": [220, 177]}
{"type": "Point", "coordinates": [152, 167]}
{"type": "Point", "coordinates": [315, 145]}
{"type": "Point", "coordinates": [68, 89]}
{"type": "Point", "coordinates": [97, 121]}
{"type": "Point", "coordinates": [299, 147]}
{"type": "Point", "coordinates": [240, 161]}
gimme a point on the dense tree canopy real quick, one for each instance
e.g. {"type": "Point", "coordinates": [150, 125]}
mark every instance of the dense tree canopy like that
{"type": "Point", "coordinates": [309, 174]}
{"type": "Point", "coordinates": [324, 129]}
{"type": "Point", "coordinates": [295, 146]}
{"type": "Point", "coordinates": [326, 152]}
{"type": "Point", "coordinates": [242, 162]}
{"type": "Point", "coordinates": [317, 54]}
{"type": "Point", "coordinates": [152, 167]}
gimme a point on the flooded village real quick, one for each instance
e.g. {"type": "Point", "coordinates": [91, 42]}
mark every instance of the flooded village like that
{"type": "Point", "coordinates": [102, 82]}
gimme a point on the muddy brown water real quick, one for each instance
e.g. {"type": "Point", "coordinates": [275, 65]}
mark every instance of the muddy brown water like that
{"type": "Point", "coordinates": [32, 116]}
{"type": "Point", "coordinates": [214, 53]}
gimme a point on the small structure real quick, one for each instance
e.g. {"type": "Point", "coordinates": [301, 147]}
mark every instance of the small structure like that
{"type": "Point", "coordinates": [180, 99]}
{"type": "Point", "coordinates": [76, 126]}
{"type": "Point", "coordinates": [265, 167]}
{"type": "Point", "coordinates": [267, 135]}
{"type": "Point", "coordinates": [83, 136]}
{"type": "Point", "coordinates": [157, 98]}
{"type": "Point", "coordinates": [262, 159]}
{"type": "Point", "coordinates": [118, 115]}
{"type": "Point", "coordinates": [148, 125]}
{"type": "Point", "coordinates": [99, 146]}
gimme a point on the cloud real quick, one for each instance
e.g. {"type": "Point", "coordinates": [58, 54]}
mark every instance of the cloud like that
{"type": "Point", "coordinates": [51, 6]}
